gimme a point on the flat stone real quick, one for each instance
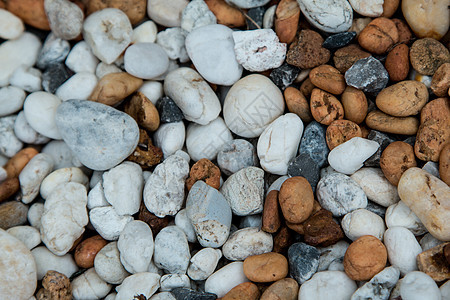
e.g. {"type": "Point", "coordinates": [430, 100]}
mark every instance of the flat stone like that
{"type": "Point", "coordinates": [367, 74]}
{"type": "Point", "coordinates": [303, 261]}
{"type": "Point", "coordinates": [314, 143]}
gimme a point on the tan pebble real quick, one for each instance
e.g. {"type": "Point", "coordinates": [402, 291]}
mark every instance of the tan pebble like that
{"type": "Point", "coordinates": [364, 131]}
{"type": "Point", "coordinates": [307, 52]}
{"type": "Point", "coordinates": [31, 12]}
{"type": "Point", "coordinates": [271, 220]}
{"type": "Point", "coordinates": [56, 286]}
{"type": "Point", "coordinates": [226, 14]}
{"type": "Point", "coordinates": [346, 56]}
{"type": "Point", "coordinates": [204, 170]}
{"type": "Point", "coordinates": [16, 163]}
{"type": "Point", "coordinates": [437, 109]}
{"type": "Point", "coordinates": [380, 121]}
{"type": "Point", "coordinates": [267, 267]}
{"type": "Point", "coordinates": [135, 10]}
{"type": "Point", "coordinates": [440, 82]}
{"type": "Point", "coordinates": [86, 251]}
{"type": "Point", "coordinates": [307, 87]}
{"type": "Point", "coordinates": [146, 154]}
{"type": "Point", "coordinates": [297, 104]}
{"type": "Point", "coordinates": [340, 131]}
{"type": "Point", "coordinates": [397, 63]}
{"type": "Point", "coordinates": [434, 263]}
{"type": "Point", "coordinates": [12, 213]}
{"type": "Point", "coordinates": [431, 138]}
{"type": "Point", "coordinates": [325, 108]}
{"type": "Point", "coordinates": [287, 15]}
{"type": "Point", "coordinates": [8, 188]}
{"type": "Point", "coordinates": [427, 55]}
{"type": "Point", "coordinates": [114, 87]}
{"type": "Point", "coordinates": [143, 111]}
{"type": "Point", "coordinates": [364, 258]}
{"type": "Point", "coordinates": [243, 291]}
{"type": "Point", "coordinates": [355, 105]}
{"type": "Point", "coordinates": [404, 33]}
{"type": "Point", "coordinates": [390, 7]}
{"type": "Point", "coordinates": [396, 159]}
{"type": "Point", "coordinates": [379, 36]}
{"type": "Point", "coordinates": [358, 24]}
{"type": "Point", "coordinates": [444, 164]}
{"type": "Point", "coordinates": [296, 199]}
{"type": "Point", "coordinates": [284, 289]}
{"type": "Point", "coordinates": [321, 230]}
{"type": "Point", "coordinates": [328, 78]}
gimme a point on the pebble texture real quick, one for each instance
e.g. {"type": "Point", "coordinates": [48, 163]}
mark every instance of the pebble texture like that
{"type": "Point", "coordinates": [172, 250]}
{"type": "Point", "coordinates": [367, 74]}
{"type": "Point", "coordinates": [303, 261]}
{"type": "Point", "coordinates": [330, 15]}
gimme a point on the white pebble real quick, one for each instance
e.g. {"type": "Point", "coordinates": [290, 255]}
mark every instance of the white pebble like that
{"type": "Point", "coordinates": [26, 78]}
{"type": "Point", "coordinates": [330, 254]}
{"type": "Point", "coordinates": [172, 41]}
{"type": "Point", "coordinates": [182, 221]}
{"type": "Point", "coordinates": [53, 51]}
{"type": "Point", "coordinates": [203, 263]}
{"type": "Point", "coordinates": [153, 90]}
{"type": "Point", "coordinates": [196, 14]}
{"type": "Point", "coordinates": [269, 17]}
{"type": "Point", "coordinates": [80, 86]}
{"type": "Point", "coordinates": [26, 133]}
{"type": "Point", "coordinates": [402, 248]}
{"type": "Point", "coordinates": [146, 60]}
{"type": "Point", "coordinates": [34, 215]}
{"type": "Point", "coordinates": [65, 18]}
{"type": "Point", "coordinates": [11, 27]}
{"type": "Point", "coordinates": [28, 235]}
{"type": "Point", "coordinates": [170, 137]}
{"type": "Point", "coordinates": [60, 176]}
{"type": "Point", "coordinates": [328, 15]}
{"type": "Point", "coordinates": [418, 286]}
{"type": "Point", "coordinates": [247, 242]}
{"type": "Point", "coordinates": [61, 155]}
{"type": "Point", "coordinates": [162, 296]}
{"type": "Point", "coordinates": [108, 266]}
{"type": "Point", "coordinates": [144, 33]}
{"type": "Point", "coordinates": [400, 214]}
{"type": "Point", "coordinates": [96, 197]}
{"type": "Point", "coordinates": [371, 8]}
{"type": "Point", "coordinates": [105, 69]}
{"type": "Point", "coordinates": [362, 222]}
{"type": "Point", "coordinates": [226, 278]}
{"type": "Point", "coordinates": [11, 100]}
{"type": "Point", "coordinates": [81, 58]}
{"type": "Point", "coordinates": [328, 285]}
{"type": "Point", "coordinates": [89, 286]}
{"type": "Point", "coordinates": [169, 282]}
{"type": "Point", "coordinates": [46, 261]}
{"type": "Point", "coordinates": [166, 13]}
{"type": "Point", "coordinates": [33, 174]}
{"type": "Point", "coordinates": [172, 250]}
{"type": "Point", "coordinates": [107, 222]}
{"type": "Point", "coordinates": [138, 284]}
{"type": "Point", "coordinates": [9, 143]}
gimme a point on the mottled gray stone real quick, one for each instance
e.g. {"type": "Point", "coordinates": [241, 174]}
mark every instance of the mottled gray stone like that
{"type": "Point", "coordinates": [367, 74]}
{"type": "Point", "coordinates": [379, 287]}
{"type": "Point", "coordinates": [314, 143]}
{"type": "Point", "coordinates": [54, 50]}
{"type": "Point", "coordinates": [236, 155]}
{"type": "Point", "coordinates": [303, 165]}
{"type": "Point", "coordinates": [172, 250]}
{"type": "Point", "coordinates": [9, 143]}
{"type": "Point", "coordinates": [303, 261]}
{"type": "Point", "coordinates": [196, 14]}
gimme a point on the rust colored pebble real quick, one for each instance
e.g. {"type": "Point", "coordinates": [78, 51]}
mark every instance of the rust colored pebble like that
{"type": "Point", "coordinates": [16, 163]}
{"type": "Point", "coordinates": [444, 164]}
{"type": "Point", "coordinates": [404, 33]}
{"type": "Point", "coordinates": [397, 63]}
{"type": "Point", "coordinates": [390, 7]}
{"type": "Point", "coordinates": [440, 82]}
{"type": "Point", "coordinates": [287, 15]}
{"type": "Point", "coordinates": [355, 105]}
{"type": "Point", "coordinates": [364, 258]}
{"type": "Point", "coordinates": [143, 111]}
{"type": "Point", "coordinates": [226, 15]}
{"type": "Point", "coordinates": [155, 223]}
{"type": "Point", "coordinates": [282, 240]}
{"type": "Point", "coordinates": [396, 159]}
{"type": "Point", "coordinates": [114, 87]}
{"type": "Point", "coordinates": [296, 199]}
{"type": "Point", "coordinates": [146, 154]}
{"type": "Point", "coordinates": [297, 104]}
{"type": "Point", "coordinates": [204, 170]}
{"type": "Point", "coordinates": [134, 9]}
{"type": "Point", "coordinates": [267, 267]}
{"type": "Point", "coordinates": [306, 88]}
{"type": "Point", "coordinates": [56, 286]}
{"type": "Point", "coordinates": [379, 36]}
{"type": "Point", "coordinates": [437, 109]}
{"type": "Point", "coordinates": [398, 125]}
{"type": "Point", "coordinates": [345, 57]}
{"type": "Point", "coordinates": [307, 52]}
{"type": "Point", "coordinates": [431, 138]}
{"type": "Point", "coordinates": [8, 188]}
{"type": "Point", "coordinates": [271, 220]}
{"type": "Point", "coordinates": [434, 262]}
{"type": "Point", "coordinates": [427, 55]}
{"type": "Point", "coordinates": [325, 108]}
{"type": "Point", "coordinates": [284, 289]}
{"type": "Point", "coordinates": [243, 291]}
{"type": "Point", "coordinates": [31, 12]}
{"type": "Point", "coordinates": [86, 251]}
{"type": "Point", "coordinates": [340, 131]}
{"type": "Point", "coordinates": [321, 230]}
{"type": "Point", "coordinates": [328, 78]}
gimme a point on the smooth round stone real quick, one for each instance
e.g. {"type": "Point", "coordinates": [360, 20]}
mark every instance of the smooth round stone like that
{"type": "Point", "coordinates": [339, 40]}
{"type": "Point", "coordinates": [418, 285]}
{"type": "Point", "coordinates": [9, 143]}
{"type": "Point", "coordinates": [340, 194]}
{"type": "Point", "coordinates": [328, 285]}
{"type": "Point", "coordinates": [65, 18]}
{"type": "Point", "coordinates": [402, 248]}
{"type": "Point", "coordinates": [34, 215]}
{"type": "Point", "coordinates": [28, 235]}
{"type": "Point", "coordinates": [371, 8]}
{"type": "Point", "coordinates": [251, 105]}
{"type": "Point", "coordinates": [12, 213]}
{"type": "Point", "coordinates": [314, 143]}
{"type": "Point", "coordinates": [145, 284]}
{"type": "Point", "coordinates": [170, 137]}
{"type": "Point", "coordinates": [362, 222]}
{"type": "Point", "coordinates": [11, 27]}
{"type": "Point", "coordinates": [46, 261]}
{"type": "Point", "coordinates": [203, 263]}
{"type": "Point", "coordinates": [144, 33]}
{"type": "Point", "coordinates": [226, 278]}
{"type": "Point", "coordinates": [205, 141]}
{"type": "Point", "coordinates": [107, 42]}
{"type": "Point", "coordinates": [380, 286]}
{"type": "Point", "coordinates": [331, 254]}
{"type": "Point", "coordinates": [247, 3]}
{"type": "Point", "coordinates": [192, 94]}
{"type": "Point", "coordinates": [54, 76]}
{"type": "Point", "coordinates": [278, 143]}
{"type": "Point", "coordinates": [349, 157]}
{"type": "Point", "coordinates": [153, 90]}
{"type": "Point", "coordinates": [172, 40]}
{"type": "Point", "coordinates": [89, 286]}
{"type": "Point", "coordinates": [400, 215]}
{"type": "Point", "coordinates": [166, 13]}
{"type": "Point", "coordinates": [11, 100]}
{"type": "Point", "coordinates": [61, 154]}
{"type": "Point", "coordinates": [172, 281]}
{"type": "Point", "coordinates": [209, 213]}
{"type": "Point", "coordinates": [40, 111]}
{"type": "Point", "coordinates": [136, 246]}
{"type": "Point", "coordinates": [99, 135]}
{"type": "Point", "coordinates": [61, 176]}
{"type": "Point", "coordinates": [247, 242]}
{"type": "Point", "coordinates": [107, 222]}
{"type": "Point", "coordinates": [319, 14]}
{"type": "Point", "coordinates": [108, 266]}
{"type": "Point", "coordinates": [211, 50]}
{"type": "Point", "coordinates": [303, 261]}
{"type": "Point", "coordinates": [236, 155]}
{"type": "Point", "coordinates": [367, 74]}
{"type": "Point", "coordinates": [53, 51]}
{"type": "Point", "coordinates": [80, 86]}
{"type": "Point", "coordinates": [146, 60]}
{"type": "Point", "coordinates": [182, 220]}
{"type": "Point", "coordinates": [81, 59]}
{"type": "Point", "coordinates": [33, 174]}
{"type": "Point", "coordinates": [28, 79]}
{"type": "Point", "coordinates": [172, 250]}
{"type": "Point", "coordinates": [196, 14]}
{"type": "Point", "coordinates": [18, 280]}
{"type": "Point", "coordinates": [96, 197]}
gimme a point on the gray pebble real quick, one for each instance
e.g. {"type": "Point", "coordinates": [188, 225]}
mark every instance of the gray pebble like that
{"type": "Point", "coordinates": [9, 143]}
{"type": "Point", "coordinates": [54, 50]}
{"type": "Point", "coordinates": [172, 250]}
{"type": "Point", "coordinates": [236, 155]}
{"type": "Point", "coordinates": [379, 287]}
{"type": "Point", "coordinates": [367, 74]}
{"type": "Point", "coordinates": [65, 18]}
{"type": "Point", "coordinates": [303, 261]}
{"type": "Point", "coordinates": [303, 165]}
{"type": "Point", "coordinates": [314, 143]}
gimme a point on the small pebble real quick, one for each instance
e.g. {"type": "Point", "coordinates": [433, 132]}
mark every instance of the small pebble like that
{"type": "Point", "coordinates": [226, 278]}
{"type": "Point", "coordinates": [65, 18]}
{"type": "Point", "coordinates": [144, 33]}
{"type": "Point", "coordinates": [247, 3]}
{"type": "Point", "coordinates": [247, 242]}
{"type": "Point", "coordinates": [203, 263]}
{"type": "Point", "coordinates": [363, 222]}
{"type": "Point", "coordinates": [61, 154]}
{"type": "Point", "coordinates": [12, 213]}
{"type": "Point", "coordinates": [89, 285]}
{"type": "Point", "coordinates": [34, 215]}
{"type": "Point", "coordinates": [144, 283]}
{"type": "Point", "coordinates": [367, 74]}
{"type": "Point", "coordinates": [108, 266]}
{"type": "Point", "coordinates": [339, 40]}
{"type": "Point", "coordinates": [236, 155]}
{"type": "Point", "coordinates": [54, 50]}
{"type": "Point", "coordinates": [46, 261]}
{"type": "Point", "coordinates": [400, 215]}
{"type": "Point", "coordinates": [380, 286]}
{"type": "Point", "coordinates": [172, 250]}
{"type": "Point", "coordinates": [196, 14]}
{"type": "Point", "coordinates": [28, 79]}
{"type": "Point", "coordinates": [170, 137]}
{"type": "Point", "coordinates": [80, 86]}
{"type": "Point", "coordinates": [11, 27]}
{"type": "Point", "coordinates": [107, 222]}
{"type": "Point", "coordinates": [169, 282]}
{"type": "Point", "coordinates": [11, 100]}
{"type": "Point", "coordinates": [146, 60]}
{"type": "Point", "coordinates": [303, 261]}
{"type": "Point", "coordinates": [286, 288]}
{"type": "Point", "coordinates": [86, 251]}
{"type": "Point", "coordinates": [266, 267]}
{"type": "Point", "coordinates": [338, 19]}
{"type": "Point", "coordinates": [332, 254]}
{"type": "Point", "coordinates": [304, 165]}
{"type": "Point", "coordinates": [182, 221]}
{"type": "Point", "coordinates": [54, 76]}
{"type": "Point", "coordinates": [33, 174]}
{"type": "Point", "coordinates": [256, 14]}
{"type": "Point", "coordinates": [418, 285]}
{"type": "Point", "coordinates": [308, 52]}
{"type": "Point", "coordinates": [166, 13]}
{"type": "Point", "coordinates": [172, 40]}
{"type": "Point", "coordinates": [81, 59]}
{"type": "Point", "coordinates": [28, 235]}
{"type": "Point", "coordinates": [402, 248]}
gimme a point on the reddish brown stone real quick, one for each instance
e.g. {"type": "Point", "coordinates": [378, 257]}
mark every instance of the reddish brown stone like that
{"type": "Point", "coordinates": [271, 220]}
{"type": "Point", "coordinates": [146, 154]}
{"type": "Point", "coordinates": [321, 230]}
{"type": "Point", "coordinates": [345, 57]}
{"type": "Point", "coordinates": [307, 52]}
{"type": "Point", "coordinates": [86, 251]}
{"type": "Point", "coordinates": [204, 170]}
{"type": "Point", "coordinates": [155, 223]}
{"type": "Point", "coordinates": [435, 262]}
{"type": "Point", "coordinates": [243, 291]}
{"type": "Point", "coordinates": [8, 188]}
{"type": "Point", "coordinates": [282, 240]}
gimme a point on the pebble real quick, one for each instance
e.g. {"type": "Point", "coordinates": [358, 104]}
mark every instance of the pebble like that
{"type": "Point", "coordinates": [40, 110]}
{"type": "Point", "coordinates": [284, 76]}
{"type": "Point", "coordinates": [192, 94]}
{"type": "Point", "coordinates": [172, 281]}
{"type": "Point", "coordinates": [340, 194]}
{"type": "Point", "coordinates": [98, 130]}
{"type": "Point", "coordinates": [144, 33]}
{"type": "Point", "coordinates": [146, 60]}
{"type": "Point", "coordinates": [211, 50]}
{"type": "Point", "coordinates": [153, 90]}
{"type": "Point", "coordinates": [33, 174]}
{"type": "Point", "coordinates": [247, 242]}
{"type": "Point", "coordinates": [304, 165]}
{"type": "Point", "coordinates": [172, 250]}
{"type": "Point", "coordinates": [246, 290]}
{"type": "Point", "coordinates": [245, 4]}
{"type": "Point", "coordinates": [203, 263]}
{"type": "Point", "coordinates": [28, 235]}
{"type": "Point", "coordinates": [11, 100]}
{"type": "Point", "coordinates": [445, 290]}
{"type": "Point", "coordinates": [339, 40]}
{"type": "Point", "coordinates": [259, 50]}
{"type": "Point", "coordinates": [384, 141]}
{"type": "Point", "coordinates": [182, 220]}
{"type": "Point", "coordinates": [103, 69]}
{"type": "Point", "coordinates": [267, 267]}
{"type": "Point", "coordinates": [166, 13]}
{"type": "Point", "coordinates": [320, 229]}
{"type": "Point", "coordinates": [400, 215]}
{"type": "Point", "coordinates": [226, 278]}
{"type": "Point", "coordinates": [53, 51]}
{"type": "Point", "coordinates": [397, 63]}
{"type": "Point", "coordinates": [65, 18]}
{"type": "Point", "coordinates": [80, 86]}
{"type": "Point", "coordinates": [269, 17]}
{"type": "Point", "coordinates": [172, 41]}
{"type": "Point", "coordinates": [205, 141]}
{"type": "Point", "coordinates": [303, 261]}
{"type": "Point", "coordinates": [331, 254]}
{"type": "Point", "coordinates": [313, 143]}
{"type": "Point", "coordinates": [86, 251]}
{"type": "Point", "coordinates": [367, 74]}
{"type": "Point", "coordinates": [428, 198]}
{"type": "Point", "coordinates": [54, 76]}
{"type": "Point", "coordinates": [296, 199]}
{"type": "Point", "coordinates": [144, 283]}
{"type": "Point", "coordinates": [170, 137]}
{"type": "Point", "coordinates": [108, 266]}
{"type": "Point", "coordinates": [380, 286]}
{"type": "Point", "coordinates": [14, 53]}
{"type": "Point", "coordinates": [169, 112]}
{"type": "Point", "coordinates": [418, 285]}
{"type": "Point", "coordinates": [286, 288]}
{"type": "Point", "coordinates": [251, 105]}
{"type": "Point", "coordinates": [308, 52]}
{"type": "Point", "coordinates": [244, 191]}
{"type": "Point", "coordinates": [209, 213]}
{"type": "Point", "coordinates": [9, 143]}
{"type": "Point", "coordinates": [89, 286]}
{"type": "Point", "coordinates": [28, 79]}
{"type": "Point", "coordinates": [196, 14]}
{"type": "Point", "coordinates": [11, 27]}
{"type": "Point", "coordinates": [434, 262]}
{"type": "Point", "coordinates": [81, 59]}
{"type": "Point", "coordinates": [236, 155]}
{"type": "Point", "coordinates": [18, 264]}
{"type": "Point", "coordinates": [346, 56]}
{"type": "Point", "coordinates": [107, 222]}
{"type": "Point", "coordinates": [61, 154]}
{"type": "Point", "coordinates": [12, 213]}
{"type": "Point", "coordinates": [46, 261]}
{"type": "Point", "coordinates": [427, 55]}
{"type": "Point", "coordinates": [338, 19]}
{"type": "Point", "coordinates": [402, 248]}
{"type": "Point", "coordinates": [34, 215]}
{"type": "Point", "coordinates": [363, 222]}
{"type": "Point", "coordinates": [379, 36]}
{"type": "Point", "coordinates": [107, 43]}
{"type": "Point", "coordinates": [61, 176]}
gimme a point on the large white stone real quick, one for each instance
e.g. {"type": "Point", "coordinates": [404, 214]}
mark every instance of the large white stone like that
{"type": "Point", "coordinates": [80, 86]}
{"type": "Point", "coordinates": [145, 33]}
{"type": "Point", "coordinates": [363, 222]}
{"type": "Point", "coordinates": [107, 222]}
{"type": "Point", "coordinates": [26, 78]}
{"type": "Point", "coordinates": [328, 15]}
{"type": "Point", "coordinates": [146, 60]}
{"type": "Point", "coordinates": [418, 286]}
{"type": "Point", "coordinates": [203, 263]}
{"type": "Point", "coordinates": [138, 284]}
{"type": "Point", "coordinates": [46, 261]}
{"type": "Point", "coordinates": [61, 176]}
{"type": "Point", "coordinates": [166, 13]}
{"type": "Point", "coordinates": [402, 248]}
{"type": "Point", "coordinates": [226, 278]}
{"type": "Point", "coordinates": [11, 27]}
{"type": "Point", "coordinates": [328, 285]}
{"type": "Point", "coordinates": [89, 286]}
{"type": "Point", "coordinates": [11, 100]}
{"type": "Point", "coordinates": [108, 266]}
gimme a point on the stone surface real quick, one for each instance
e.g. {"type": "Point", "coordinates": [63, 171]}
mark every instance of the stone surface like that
{"type": "Point", "coordinates": [54, 76]}
{"type": "Point", "coordinates": [296, 199]}
{"type": "Point", "coordinates": [89, 285]}
{"type": "Point", "coordinates": [303, 261]}
{"type": "Point", "coordinates": [284, 76]}
{"type": "Point", "coordinates": [166, 13]}
{"type": "Point", "coordinates": [80, 86]}
{"type": "Point", "coordinates": [144, 283]}
{"type": "Point", "coordinates": [65, 18]}
{"type": "Point", "coordinates": [266, 267]}
{"type": "Point", "coordinates": [107, 222]}
{"type": "Point", "coordinates": [33, 174]}
{"type": "Point", "coordinates": [321, 230]}
{"type": "Point", "coordinates": [402, 248]}
{"type": "Point", "coordinates": [53, 51]}
{"type": "Point", "coordinates": [247, 242]}
{"type": "Point", "coordinates": [108, 266]}
{"type": "Point", "coordinates": [40, 111]}
{"type": "Point", "coordinates": [304, 165]}
{"type": "Point", "coordinates": [379, 36]}
{"type": "Point", "coordinates": [400, 215]}
{"type": "Point", "coordinates": [114, 87]}
{"type": "Point", "coordinates": [247, 3]}
{"type": "Point", "coordinates": [182, 220]}
{"type": "Point", "coordinates": [46, 261]}
{"type": "Point", "coordinates": [28, 79]}
{"type": "Point", "coordinates": [203, 263]}
{"type": "Point", "coordinates": [9, 143]}
{"type": "Point", "coordinates": [367, 74]}
{"type": "Point", "coordinates": [363, 222]}
{"type": "Point", "coordinates": [26, 133]}
{"type": "Point", "coordinates": [314, 144]}
{"type": "Point", "coordinates": [168, 110]}
{"type": "Point", "coordinates": [170, 137]}
{"type": "Point", "coordinates": [307, 52]}
{"type": "Point", "coordinates": [226, 278]}
{"type": "Point", "coordinates": [11, 100]}
{"type": "Point", "coordinates": [55, 285]}
{"type": "Point", "coordinates": [206, 171]}
{"type": "Point", "coordinates": [434, 262]}
{"type": "Point", "coordinates": [236, 155]}
{"type": "Point", "coordinates": [144, 33]}
{"type": "Point", "coordinates": [172, 250]}
{"type": "Point", "coordinates": [339, 40]}
{"type": "Point", "coordinates": [380, 286]}
{"type": "Point", "coordinates": [86, 251]}
{"type": "Point", "coordinates": [320, 16]}
{"type": "Point", "coordinates": [28, 235]}
{"type": "Point", "coordinates": [196, 14]}
{"type": "Point", "coordinates": [427, 55]}
{"type": "Point", "coordinates": [11, 27]}
{"type": "Point", "coordinates": [332, 255]}
{"type": "Point", "coordinates": [417, 285]}
{"type": "Point", "coordinates": [396, 158]}
{"type": "Point", "coordinates": [81, 58]}
{"type": "Point", "coordinates": [246, 290]}
{"type": "Point", "coordinates": [12, 213]}
{"type": "Point", "coordinates": [172, 281]}
{"type": "Point", "coordinates": [146, 60]}
{"type": "Point", "coordinates": [286, 288]}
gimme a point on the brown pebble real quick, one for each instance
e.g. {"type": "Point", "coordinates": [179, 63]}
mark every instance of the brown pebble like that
{"type": "Point", "coordinates": [440, 82]}
{"type": "Point", "coordinates": [141, 109]}
{"type": "Point", "coordinates": [135, 10]}
{"type": "Point", "coordinates": [447, 253]}
{"type": "Point", "coordinates": [328, 78]}
{"type": "Point", "coordinates": [358, 24]}
{"type": "Point", "coordinates": [355, 105]}
{"type": "Point", "coordinates": [380, 121]}
{"type": "Point", "coordinates": [396, 159]}
{"type": "Point", "coordinates": [86, 251]}
{"type": "Point", "coordinates": [226, 15]}
{"type": "Point", "coordinates": [364, 131]}
{"type": "Point", "coordinates": [364, 258]}
{"type": "Point", "coordinates": [204, 170]}
{"type": "Point", "coordinates": [431, 138]}
{"type": "Point", "coordinates": [389, 8]}
{"type": "Point", "coordinates": [437, 109]}
{"type": "Point", "coordinates": [56, 286]}
{"type": "Point", "coordinates": [16, 163]}
{"type": "Point", "coordinates": [299, 228]}
{"type": "Point", "coordinates": [340, 131]}
{"type": "Point", "coordinates": [345, 57]}
{"type": "Point", "coordinates": [433, 262]}
{"type": "Point", "coordinates": [307, 52]}
{"type": "Point", "coordinates": [155, 223]}
{"type": "Point", "coordinates": [379, 36]}
{"type": "Point", "coordinates": [307, 87]}
{"type": "Point", "coordinates": [31, 12]}
{"type": "Point", "coordinates": [444, 164]}
{"type": "Point", "coordinates": [404, 33]}
{"type": "Point", "coordinates": [282, 240]}
{"type": "Point", "coordinates": [321, 230]}
{"type": "Point", "coordinates": [397, 63]}
{"type": "Point", "coordinates": [427, 55]}
{"type": "Point", "coordinates": [114, 87]}
{"type": "Point", "coordinates": [287, 15]}
{"type": "Point", "coordinates": [271, 220]}
{"type": "Point", "coordinates": [12, 213]}
{"type": "Point", "coordinates": [296, 199]}
{"type": "Point", "coordinates": [297, 104]}
{"type": "Point", "coordinates": [243, 291]}
{"type": "Point", "coordinates": [325, 108]}
{"type": "Point", "coordinates": [8, 188]}
{"type": "Point", "coordinates": [146, 154]}
{"type": "Point", "coordinates": [266, 267]}
{"type": "Point", "coordinates": [284, 289]}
